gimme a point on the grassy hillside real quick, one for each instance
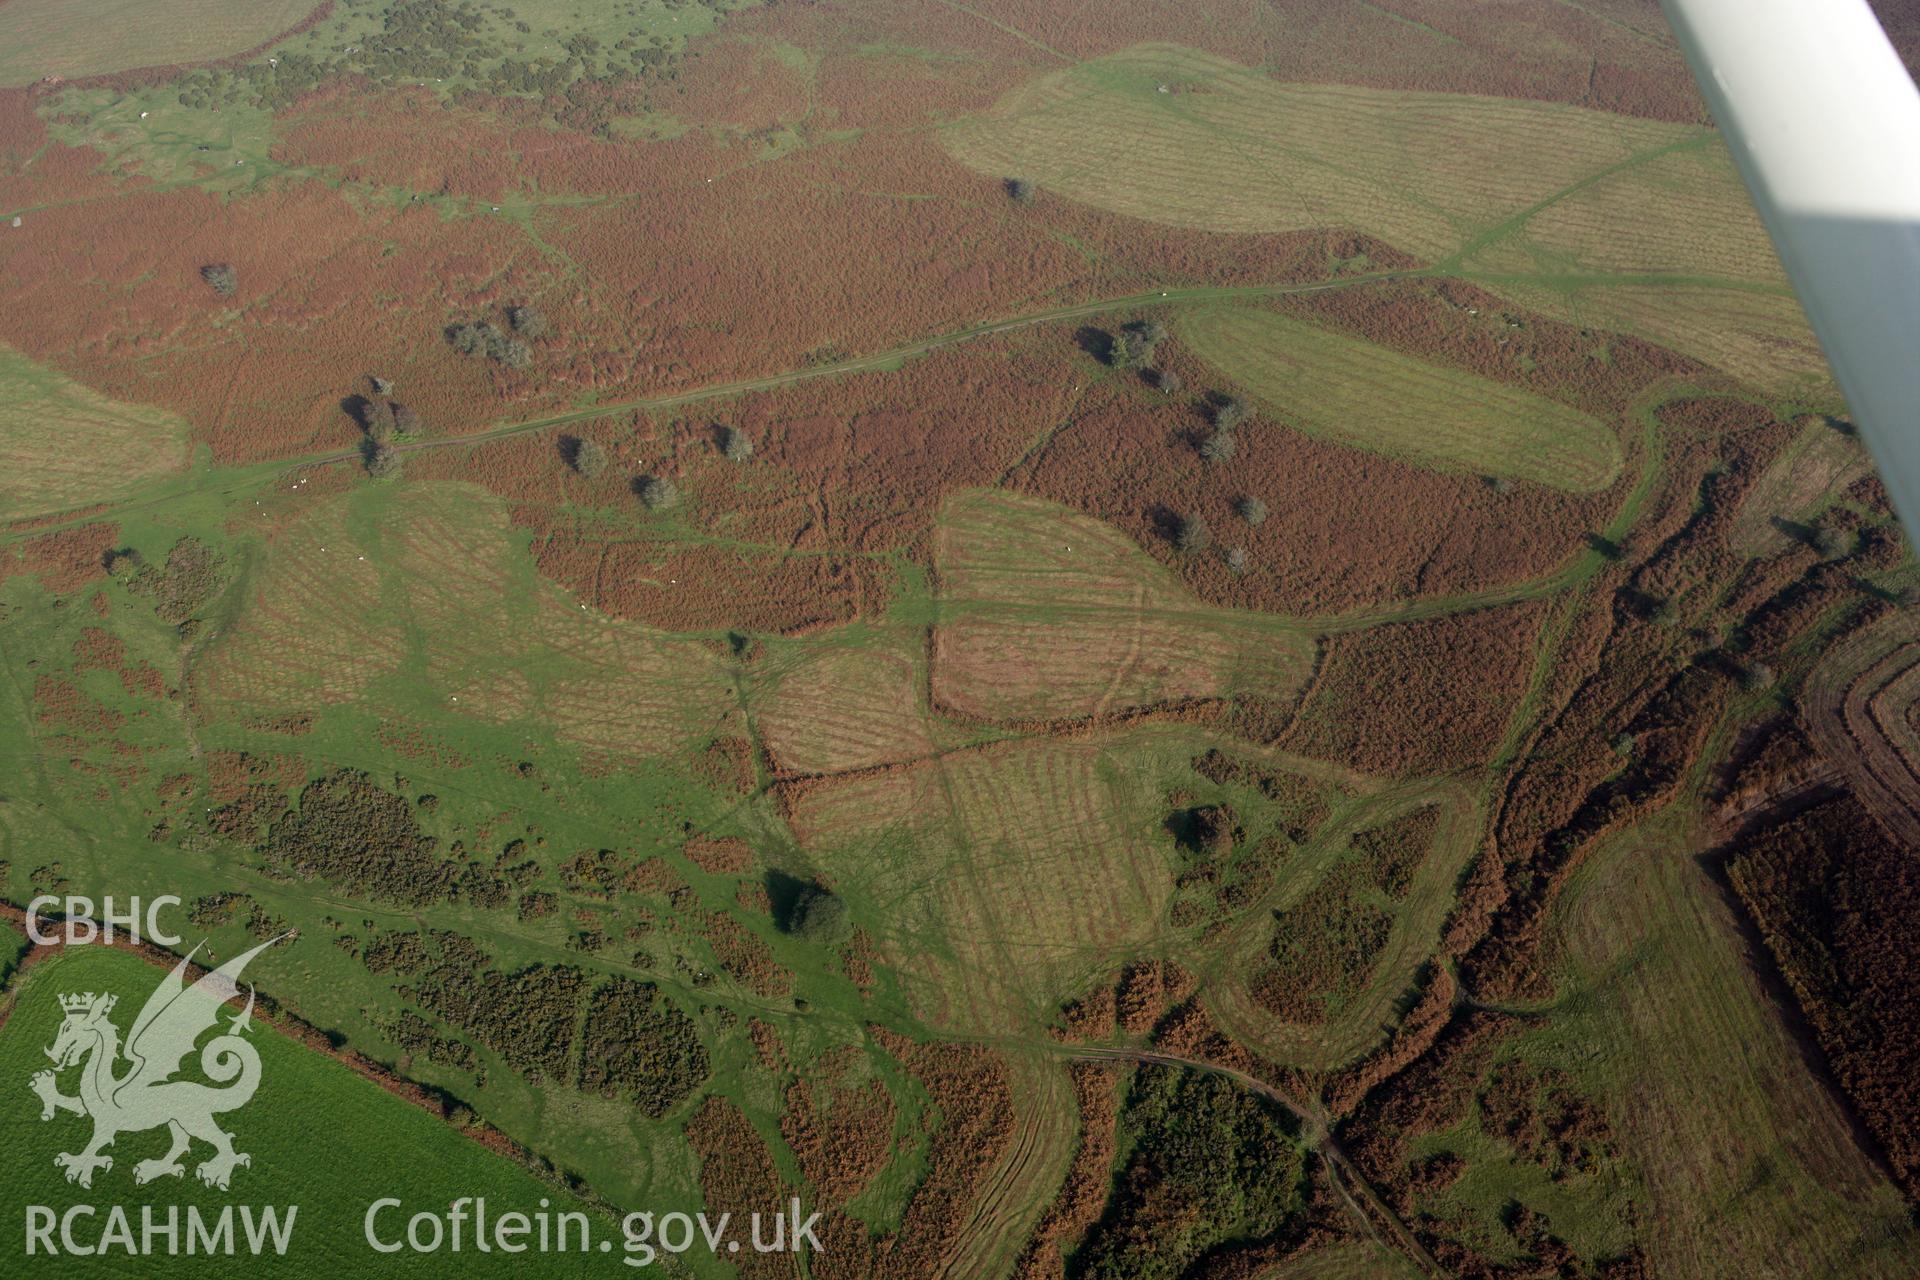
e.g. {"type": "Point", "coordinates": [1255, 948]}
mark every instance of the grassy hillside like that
{"type": "Point", "coordinates": [63, 445]}
{"type": "Point", "coordinates": [74, 38]}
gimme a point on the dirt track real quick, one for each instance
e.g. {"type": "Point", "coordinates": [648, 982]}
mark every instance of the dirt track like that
{"type": "Point", "coordinates": [1347, 1180]}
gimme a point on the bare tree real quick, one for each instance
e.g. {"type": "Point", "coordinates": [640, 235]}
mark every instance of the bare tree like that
{"type": "Point", "coordinates": [1141, 339]}
{"type": "Point", "coordinates": [1191, 535]}
{"type": "Point", "coordinates": [587, 458]}
{"type": "Point", "coordinates": [1252, 510]}
{"type": "Point", "coordinates": [527, 322]}
{"type": "Point", "coordinates": [657, 493]}
{"type": "Point", "coordinates": [1219, 447]}
{"type": "Point", "coordinates": [470, 339]}
{"type": "Point", "coordinates": [376, 418]}
{"type": "Point", "coordinates": [1019, 190]}
{"type": "Point", "coordinates": [736, 444]}
{"type": "Point", "coordinates": [1229, 411]}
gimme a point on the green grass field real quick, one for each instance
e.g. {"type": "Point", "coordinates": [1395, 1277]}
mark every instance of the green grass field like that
{"type": "Point", "coordinates": [850, 701]}
{"type": "Point", "coordinates": [1351, 391]}
{"type": "Point", "coordinates": [366, 594]}
{"type": "Point", "coordinates": [1754, 332]}
{"type": "Point", "coordinates": [62, 445]}
{"type": "Point", "coordinates": [77, 832]}
{"type": "Point", "coordinates": [74, 38]}
{"type": "Point", "coordinates": [1660, 1018]}
{"type": "Point", "coordinates": [1720, 1121]}
{"type": "Point", "coordinates": [321, 1137]}
{"type": "Point", "coordinates": [1585, 216]}
{"type": "Point", "coordinates": [1349, 1260]}
{"type": "Point", "coordinates": [1667, 247]}
{"type": "Point", "coordinates": [1178, 136]}
{"type": "Point", "coordinates": [1001, 880]}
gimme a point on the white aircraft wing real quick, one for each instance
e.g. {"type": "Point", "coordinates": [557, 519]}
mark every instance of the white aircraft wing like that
{"type": "Point", "coordinates": [1824, 124]}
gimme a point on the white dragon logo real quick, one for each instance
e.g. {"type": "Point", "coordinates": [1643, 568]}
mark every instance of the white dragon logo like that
{"type": "Point", "coordinates": [145, 1096]}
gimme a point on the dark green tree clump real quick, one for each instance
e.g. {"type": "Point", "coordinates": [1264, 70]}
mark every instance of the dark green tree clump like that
{"type": "Point", "coordinates": [395, 952]}
{"type": "Point", "coordinates": [637, 1045]}
{"type": "Point", "coordinates": [819, 916]}
{"type": "Point", "coordinates": [360, 837]}
{"type": "Point", "coordinates": [1324, 948]}
{"type": "Point", "coordinates": [480, 338]}
{"type": "Point", "coordinates": [194, 573]}
{"type": "Point", "coordinates": [381, 461]}
{"type": "Point", "coordinates": [1212, 1162]}
{"type": "Point", "coordinates": [528, 1017]}
{"type": "Point", "coordinates": [221, 278]}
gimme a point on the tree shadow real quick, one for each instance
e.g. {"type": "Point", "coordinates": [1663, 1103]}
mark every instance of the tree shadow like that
{"type": "Point", "coordinates": [1804, 534]}
{"type": "Point", "coordinates": [1604, 545]}
{"type": "Point", "coordinates": [1638, 604]}
{"type": "Point", "coordinates": [785, 893]}
{"type": "Point", "coordinates": [1096, 342]}
{"type": "Point", "coordinates": [1165, 521]}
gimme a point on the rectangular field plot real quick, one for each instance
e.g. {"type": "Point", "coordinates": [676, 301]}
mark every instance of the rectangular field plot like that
{"type": "Point", "coordinates": [1006, 874]}
{"type": "Point", "coordinates": [847, 705]}
{"type": "Point", "coordinates": [1048, 614]}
